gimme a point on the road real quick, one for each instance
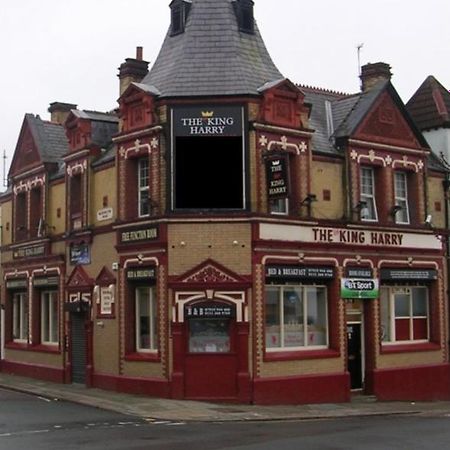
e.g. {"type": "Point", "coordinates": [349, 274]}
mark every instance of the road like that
{"type": "Point", "coordinates": [29, 422]}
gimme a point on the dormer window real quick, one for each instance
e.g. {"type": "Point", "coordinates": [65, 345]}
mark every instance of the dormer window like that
{"type": "Point", "coordinates": [180, 11]}
{"type": "Point", "coordinates": [245, 16]}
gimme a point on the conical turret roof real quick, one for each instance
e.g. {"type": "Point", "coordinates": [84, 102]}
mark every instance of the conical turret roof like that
{"type": "Point", "coordinates": [212, 56]}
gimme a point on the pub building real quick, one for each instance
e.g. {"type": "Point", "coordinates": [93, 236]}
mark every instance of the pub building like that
{"type": "Point", "coordinates": [227, 234]}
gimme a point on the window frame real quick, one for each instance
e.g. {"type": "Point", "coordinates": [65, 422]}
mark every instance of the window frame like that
{"type": "Point", "coordinates": [390, 321]}
{"type": "Point", "coordinates": [20, 317]}
{"type": "Point", "coordinates": [368, 198]}
{"type": "Point", "coordinates": [400, 200]}
{"type": "Point", "coordinates": [152, 320]}
{"type": "Point", "coordinates": [48, 318]}
{"type": "Point", "coordinates": [304, 288]}
{"type": "Point", "coordinates": [280, 211]}
{"type": "Point", "coordinates": [143, 187]}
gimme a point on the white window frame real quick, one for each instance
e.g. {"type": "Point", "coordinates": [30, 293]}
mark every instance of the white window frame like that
{"type": "Point", "coordinates": [20, 317]}
{"type": "Point", "coordinates": [401, 200]}
{"type": "Point", "coordinates": [48, 318]}
{"type": "Point", "coordinates": [304, 288]}
{"type": "Point", "coordinates": [392, 317]}
{"type": "Point", "coordinates": [368, 197]}
{"type": "Point", "coordinates": [153, 344]}
{"type": "Point", "coordinates": [282, 206]}
{"type": "Point", "coordinates": [143, 182]}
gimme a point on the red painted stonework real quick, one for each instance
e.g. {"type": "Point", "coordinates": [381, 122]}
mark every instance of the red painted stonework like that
{"type": "Point", "coordinates": [47, 373]}
{"type": "Point", "coordinates": [420, 383]}
{"type": "Point", "coordinates": [327, 388]}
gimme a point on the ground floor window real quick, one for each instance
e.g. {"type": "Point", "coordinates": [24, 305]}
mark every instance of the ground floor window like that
{"type": "Point", "coordinates": [49, 317]}
{"type": "Point", "coordinates": [20, 316]}
{"type": "Point", "coordinates": [146, 323]}
{"type": "Point", "coordinates": [296, 317]}
{"type": "Point", "coordinates": [404, 314]}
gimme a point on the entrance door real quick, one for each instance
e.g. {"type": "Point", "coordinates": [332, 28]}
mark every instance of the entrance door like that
{"type": "Point", "coordinates": [211, 361]}
{"type": "Point", "coordinates": [78, 346]}
{"type": "Point", "coordinates": [354, 361]}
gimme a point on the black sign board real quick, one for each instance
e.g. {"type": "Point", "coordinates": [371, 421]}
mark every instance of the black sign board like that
{"type": "Point", "coordinates": [141, 273]}
{"type": "Point", "coordinates": [28, 252]}
{"type": "Point", "coordinates": [80, 253]}
{"type": "Point", "coordinates": [209, 311]}
{"type": "Point", "coordinates": [207, 120]}
{"type": "Point", "coordinates": [277, 173]}
{"type": "Point", "coordinates": [408, 274]}
{"type": "Point", "coordinates": [358, 272]}
{"type": "Point", "coordinates": [45, 281]}
{"type": "Point", "coordinates": [139, 235]}
{"type": "Point", "coordinates": [300, 272]}
{"type": "Point", "coordinates": [16, 284]}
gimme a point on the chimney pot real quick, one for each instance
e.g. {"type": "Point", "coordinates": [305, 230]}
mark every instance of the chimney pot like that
{"type": "Point", "coordinates": [139, 53]}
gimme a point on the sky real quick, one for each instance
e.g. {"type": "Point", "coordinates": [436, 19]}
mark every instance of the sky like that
{"type": "Point", "coordinates": [69, 51]}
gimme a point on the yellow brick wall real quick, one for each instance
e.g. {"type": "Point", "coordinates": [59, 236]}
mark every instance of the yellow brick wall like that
{"type": "Point", "coordinates": [143, 369]}
{"type": "Point", "coordinates": [409, 359]}
{"type": "Point", "coordinates": [327, 176]}
{"type": "Point", "coordinates": [303, 367]}
{"type": "Point", "coordinates": [103, 184]}
{"type": "Point", "coordinates": [6, 223]}
{"type": "Point", "coordinates": [436, 194]}
{"type": "Point", "coordinates": [57, 199]}
{"type": "Point", "coordinates": [106, 344]}
{"type": "Point", "coordinates": [209, 240]}
{"type": "Point", "coordinates": [42, 359]}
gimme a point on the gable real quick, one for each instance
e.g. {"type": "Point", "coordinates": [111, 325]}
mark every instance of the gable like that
{"type": "Point", "coordinates": [386, 123]}
{"type": "Point", "coordinates": [26, 154]}
{"type": "Point", "coordinates": [105, 277]}
{"type": "Point", "coordinates": [79, 279]}
{"type": "Point", "coordinates": [210, 271]}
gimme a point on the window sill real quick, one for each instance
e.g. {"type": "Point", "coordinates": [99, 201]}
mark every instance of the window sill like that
{"type": "Point", "coordinates": [17, 345]}
{"type": "Point", "coordinates": [412, 347]}
{"type": "Point", "coordinates": [46, 348]}
{"type": "Point", "coordinates": [144, 357]}
{"type": "Point", "coordinates": [301, 354]}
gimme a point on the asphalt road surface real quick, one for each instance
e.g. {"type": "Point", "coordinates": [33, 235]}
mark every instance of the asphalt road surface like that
{"type": "Point", "coordinates": [29, 422]}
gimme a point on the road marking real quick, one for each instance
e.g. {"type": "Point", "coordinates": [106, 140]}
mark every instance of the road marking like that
{"type": "Point", "coordinates": [19, 433]}
{"type": "Point", "coordinates": [44, 399]}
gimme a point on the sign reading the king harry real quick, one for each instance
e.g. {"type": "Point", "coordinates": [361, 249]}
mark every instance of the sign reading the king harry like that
{"type": "Point", "coordinates": [277, 177]}
{"type": "Point", "coordinates": [207, 120]}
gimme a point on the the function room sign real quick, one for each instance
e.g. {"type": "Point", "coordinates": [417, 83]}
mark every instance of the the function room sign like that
{"type": "Point", "coordinates": [207, 120]}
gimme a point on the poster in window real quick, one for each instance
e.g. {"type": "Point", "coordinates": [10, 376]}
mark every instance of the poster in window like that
{"type": "Point", "coordinates": [277, 173]}
{"type": "Point", "coordinates": [106, 300]}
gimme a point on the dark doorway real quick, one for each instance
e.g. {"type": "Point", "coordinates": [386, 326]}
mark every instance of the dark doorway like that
{"type": "Point", "coordinates": [78, 346]}
{"type": "Point", "coordinates": [354, 361]}
{"type": "Point", "coordinates": [209, 173]}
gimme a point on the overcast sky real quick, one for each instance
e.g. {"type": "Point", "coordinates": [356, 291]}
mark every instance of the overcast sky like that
{"type": "Point", "coordinates": [69, 51]}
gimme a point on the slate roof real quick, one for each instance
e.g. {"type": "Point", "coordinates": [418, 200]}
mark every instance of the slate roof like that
{"type": "Point", "coordinates": [212, 57]}
{"type": "Point", "coordinates": [430, 105]}
{"type": "Point", "coordinates": [50, 138]}
{"type": "Point", "coordinates": [104, 125]}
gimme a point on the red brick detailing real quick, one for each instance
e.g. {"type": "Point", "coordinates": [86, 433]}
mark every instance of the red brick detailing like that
{"type": "Point", "coordinates": [40, 372]}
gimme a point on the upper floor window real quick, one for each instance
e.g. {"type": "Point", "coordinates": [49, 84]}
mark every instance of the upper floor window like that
{"type": "Point", "coordinates": [279, 206]}
{"type": "Point", "coordinates": [245, 15]}
{"type": "Point", "coordinates": [179, 12]}
{"type": "Point", "coordinates": [21, 216]}
{"type": "Point", "coordinates": [367, 196]}
{"type": "Point", "coordinates": [76, 202]}
{"type": "Point", "coordinates": [143, 188]}
{"type": "Point", "coordinates": [404, 314]}
{"type": "Point", "coordinates": [401, 197]}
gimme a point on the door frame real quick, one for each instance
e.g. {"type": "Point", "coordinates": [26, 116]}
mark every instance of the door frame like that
{"type": "Point", "coordinates": [359, 322]}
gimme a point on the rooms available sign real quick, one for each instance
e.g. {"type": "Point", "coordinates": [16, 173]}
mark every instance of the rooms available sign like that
{"type": "Point", "coordinates": [207, 120]}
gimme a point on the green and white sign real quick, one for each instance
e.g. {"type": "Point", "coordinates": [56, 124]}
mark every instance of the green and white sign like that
{"type": "Point", "coordinates": [359, 288]}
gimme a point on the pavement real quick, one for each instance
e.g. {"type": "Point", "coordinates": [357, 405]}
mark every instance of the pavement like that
{"type": "Point", "coordinates": [156, 409]}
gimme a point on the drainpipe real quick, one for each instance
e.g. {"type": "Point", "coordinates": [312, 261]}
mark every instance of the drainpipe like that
{"type": "Point", "coordinates": [446, 186]}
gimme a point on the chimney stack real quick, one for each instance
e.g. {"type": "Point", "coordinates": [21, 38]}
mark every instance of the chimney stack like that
{"type": "Point", "coordinates": [132, 70]}
{"type": "Point", "coordinates": [59, 111]}
{"type": "Point", "coordinates": [372, 73]}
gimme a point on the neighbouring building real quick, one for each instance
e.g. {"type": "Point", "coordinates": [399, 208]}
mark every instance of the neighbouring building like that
{"type": "Point", "coordinates": [227, 234]}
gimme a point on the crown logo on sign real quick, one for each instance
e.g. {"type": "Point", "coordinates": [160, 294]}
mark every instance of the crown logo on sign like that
{"type": "Point", "coordinates": [207, 114]}
{"type": "Point", "coordinates": [276, 162]}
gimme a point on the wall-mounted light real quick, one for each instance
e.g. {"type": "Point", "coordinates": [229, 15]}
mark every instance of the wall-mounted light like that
{"type": "Point", "coordinates": [395, 209]}
{"type": "Point", "coordinates": [310, 198]}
